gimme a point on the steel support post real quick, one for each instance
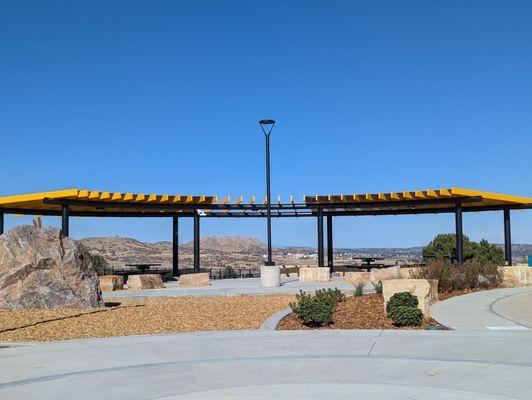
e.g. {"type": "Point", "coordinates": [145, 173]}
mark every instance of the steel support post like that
{"type": "Point", "coordinates": [507, 237]}
{"type": "Point", "coordinates": [64, 221]}
{"type": "Point", "coordinates": [459, 234]}
{"type": "Point", "coordinates": [196, 243]}
{"type": "Point", "coordinates": [175, 246]}
{"type": "Point", "coordinates": [330, 255]}
{"type": "Point", "coordinates": [321, 260]}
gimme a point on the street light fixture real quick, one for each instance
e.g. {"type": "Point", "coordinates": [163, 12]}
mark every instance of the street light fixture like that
{"type": "Point", "coordinates": [267, 127]}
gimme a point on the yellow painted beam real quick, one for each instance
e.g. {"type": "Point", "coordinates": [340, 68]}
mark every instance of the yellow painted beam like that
{"type": "Point", "coordinates": [105, 196]}
{"type": "Point", "coordinates": [141, 197]}
{"type": "Point", "coordinates": [239, 200]}
{"type": "Point", "coordinates": [94, 195]}
{"type": "Point", "coordinates": [176, 199]}
{"type": "Point", "coordinates": [23, 198]}
{"type": "Point", "coordinates": [116, 196]}
{"type": "Point", "coordinates": [165, 198]}
{"type": "Point", "coordinates": [83, 194]}
{"type": "Point", "coordinates": [225, 200]}
{"type": "Point", "coordinates": [128, 197]}
{"type": "Point", "coordinates": [152, 198]}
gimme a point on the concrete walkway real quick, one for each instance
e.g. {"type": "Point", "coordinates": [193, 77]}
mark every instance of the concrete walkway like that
{"type": "Point", "coordinates": [235, 287]}
{"type": "Point", "coordinates": [285, 365]}
{"type": "Point", "coordinates": [499, 309]}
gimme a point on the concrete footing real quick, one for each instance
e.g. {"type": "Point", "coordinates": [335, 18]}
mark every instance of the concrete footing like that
{"type": "Point", "coordinates": [270, 276]}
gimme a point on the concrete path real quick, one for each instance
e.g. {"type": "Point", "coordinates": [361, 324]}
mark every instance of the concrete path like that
{"type": "Point", "coordinates": [499, 309]}
{"type": "Point", "coordinates": [285, 365]}
{"type": "Point", "coordinates": [235, 287]}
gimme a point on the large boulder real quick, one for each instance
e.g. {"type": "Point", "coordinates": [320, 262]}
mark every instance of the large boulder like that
{"type": "Point", "coordinates": [425, 290]}
{"type": "Point", "coordinates": [314, 274]}
{"type": "Point", "coordinates": [110, 283]}
{"type": "Point", "coordinates": [145, 281]}
{"type": "Point", "coordinates": [41, 269]}
{"type": "Point", "coordinates": [198, 279]}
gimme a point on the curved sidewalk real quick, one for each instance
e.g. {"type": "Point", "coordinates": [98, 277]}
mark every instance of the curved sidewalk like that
{"type": "Point", "coordinates": [499, 309]}
{"type": "Point", "coordinates": [285, 365]}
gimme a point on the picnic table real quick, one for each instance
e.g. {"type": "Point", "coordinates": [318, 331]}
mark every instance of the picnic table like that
{"type": "Point", "coordinates": [369, 262]}
{"type": "Point", "coordinates": [143, 267]}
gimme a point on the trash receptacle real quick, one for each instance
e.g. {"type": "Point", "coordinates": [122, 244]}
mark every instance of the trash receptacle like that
{"type": "Point", "coordinates": [530, 260]}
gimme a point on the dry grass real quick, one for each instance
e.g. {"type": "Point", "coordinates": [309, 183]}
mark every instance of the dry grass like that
{"type": "Point", "coordinates": [365, 312]}
{"type": "Point", "coordinates": [141, 316]}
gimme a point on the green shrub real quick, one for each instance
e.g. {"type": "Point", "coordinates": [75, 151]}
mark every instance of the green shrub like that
{"type": "Point", "coordinates": [228, 272]}
{"type": "Point", "coordinates": [330, 296]}
{"type": "Point", "coordinates": [401, 299]}
{"type": "Point", "coordinates": [99, 263]}
{"type": "Point", "coordinates": [317, 310]}
{"type": "Point", "coordinates": [406, 316]}
{"type": "Point", "coordinates": [444, 246]}
{"type": "Point", "coordinates": [359, 289]}
{"type": "Point", "coordinates": [378, 287]}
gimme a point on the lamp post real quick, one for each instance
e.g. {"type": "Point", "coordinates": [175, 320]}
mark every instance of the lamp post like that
{"type": "Point", "coordinates": [267, 127]}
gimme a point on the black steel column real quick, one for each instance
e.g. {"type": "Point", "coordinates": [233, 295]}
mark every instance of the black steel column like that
{"type": "Point", "coordinates": [175, 245]}
{"type": "Point", "coordinates": [64, 221]}
{"type": "Point", "coordinates": [330, 256]}
{"type": "Point", "coordinates": [1, 222]}
{"type": "Point", "coordinates": [196, 243]}
{"type": "Point", "coordinates": [459, 234]}
{"type": "Point", "coordinates": [321, 262]}
{"type": "Point", "coordinates": [507, 237]}
{"type": "Point", "coordinates": [268, 203]}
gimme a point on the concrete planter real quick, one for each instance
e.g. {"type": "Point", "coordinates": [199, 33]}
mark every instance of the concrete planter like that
{"type": "Point", "coordinates": [270, 276]}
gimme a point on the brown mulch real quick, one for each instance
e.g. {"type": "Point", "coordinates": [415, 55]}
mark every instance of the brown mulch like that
{"type": "Point", "coordinates": [141, 316]}
{"type": "Point", "coordinates": [447, 295]}
{"type": "Point", "coordinates": [365, 312]}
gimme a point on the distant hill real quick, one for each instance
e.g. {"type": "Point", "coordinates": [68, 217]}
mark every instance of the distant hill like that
{"type": "Point", "coordinates": [230, 244]}
{"type": "Point", "coordinates": [219, 251]}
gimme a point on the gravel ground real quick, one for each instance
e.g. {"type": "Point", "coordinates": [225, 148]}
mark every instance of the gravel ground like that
{"type": "Point", "coordinates": [138, 316]}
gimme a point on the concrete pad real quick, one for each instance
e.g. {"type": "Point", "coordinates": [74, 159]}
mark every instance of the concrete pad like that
{"type": "Point", "coordinates": [484, 309]}
{"type": "Point", "coordinates": [286, 365]}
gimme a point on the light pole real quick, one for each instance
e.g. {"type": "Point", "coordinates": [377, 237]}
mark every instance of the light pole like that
{"type": "Point", "coordinates": [267, 127]}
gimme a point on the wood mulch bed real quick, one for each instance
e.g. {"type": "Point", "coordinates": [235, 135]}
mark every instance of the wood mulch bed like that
{"type": "Point", "coordinates": [364, 312]}
{"type": "Point", "coordinates": [138, 316]}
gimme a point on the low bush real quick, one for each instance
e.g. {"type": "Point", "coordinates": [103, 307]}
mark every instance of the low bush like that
{"type": "Point", "coordinates": [406, 316]}
{"type": "Point", "coordinates": [317, 310]}
{"type": "Point", "coordinates": [228, 272]}
{"type": "Point", "coordinates": [359, 289]}
{"type": "Point", "coordinates": [472, 274]}
{"type": "Point", "coordinates": [401, 299]}
{"type": "Point", "coordinates": [331, 296]}
{"type": "Point", "coordinates": [378, 287]}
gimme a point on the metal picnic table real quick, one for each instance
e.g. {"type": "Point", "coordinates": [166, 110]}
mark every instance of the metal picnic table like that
{"type": "Point", "coordinates": [143, 267]}
{"type": "Point", "coordinates": [369, 260]}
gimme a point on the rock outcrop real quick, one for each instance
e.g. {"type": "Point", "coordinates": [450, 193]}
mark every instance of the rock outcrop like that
{"type": "Point", "coordinates": [41, 269]}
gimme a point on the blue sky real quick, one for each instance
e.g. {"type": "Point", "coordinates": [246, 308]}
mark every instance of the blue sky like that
{"type": "Point", "coordinates": [164, 97]}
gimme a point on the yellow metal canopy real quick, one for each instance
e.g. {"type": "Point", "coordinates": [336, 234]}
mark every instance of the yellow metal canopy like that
{"type": "Point", "coordinates": [427, 197]}
{"type": "Point", "coordinates": [36, 201]}
{"type": "Point", "coordinates": [90, 202]}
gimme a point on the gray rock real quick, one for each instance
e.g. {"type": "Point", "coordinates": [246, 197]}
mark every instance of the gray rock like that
{"type": "Point", "coordinates": [41, 269]}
